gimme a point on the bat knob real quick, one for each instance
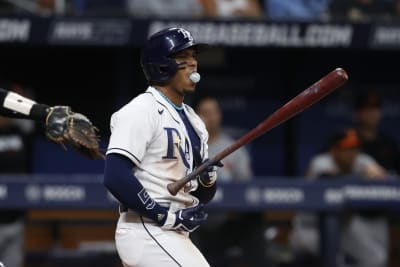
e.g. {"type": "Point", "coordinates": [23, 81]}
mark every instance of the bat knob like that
{"type": "Point", "coordinates": [172, 189]}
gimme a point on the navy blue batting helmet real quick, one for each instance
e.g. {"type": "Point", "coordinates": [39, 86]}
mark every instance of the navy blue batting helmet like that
{"type": "Point", "coordinates": [156, 61]}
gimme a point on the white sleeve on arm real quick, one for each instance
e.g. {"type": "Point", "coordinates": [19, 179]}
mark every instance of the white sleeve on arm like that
{"type": "Point", "coordinates": [132, 129]}
{"type": "Point", "coordinates": [14, 105]}
{"type": "Point", "coordinates": [18, 103]}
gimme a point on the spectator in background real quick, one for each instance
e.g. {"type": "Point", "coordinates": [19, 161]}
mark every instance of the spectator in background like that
{"type": "Point", "coordinates": [364, 10]}
{"type": "Point", "coordinates": [237, 166]}
{"type": "Point", "coordinates": [367, 112]}
{"type": "Point", "coordinates": [296, 9]}
{"type": "Point", "coordinates": [232, 9]}
{"type": "Point", "coordinates": [221, 239]}
{"type": "Point", "coordinates": [363, 240]}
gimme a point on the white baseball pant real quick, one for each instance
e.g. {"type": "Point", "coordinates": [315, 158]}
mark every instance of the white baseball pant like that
{"type": "Point", "coordinates": [142, 243]}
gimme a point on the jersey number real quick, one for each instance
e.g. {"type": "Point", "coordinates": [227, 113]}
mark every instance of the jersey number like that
{"type": "Point", "coordinates": [147, 201]}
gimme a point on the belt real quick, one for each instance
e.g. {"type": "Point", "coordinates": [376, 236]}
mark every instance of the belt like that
{"type": "Point", "coordinates": [122, 208]}
{"type": "Point", "coordinates": [133, 216]}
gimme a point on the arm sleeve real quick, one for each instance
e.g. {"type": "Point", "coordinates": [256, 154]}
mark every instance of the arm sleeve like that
{"type": "Point", "coordinates": [122, 183]}
{"type": "Point", "coordinates": [204, 194]}
{"type": "Point", "coordinates": [7, 112]}
{"type": "Point", "coordinates": [16, 106]}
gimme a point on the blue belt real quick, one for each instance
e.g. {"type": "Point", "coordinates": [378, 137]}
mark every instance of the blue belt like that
{"type": "Point", "coordinates": [122, 208]}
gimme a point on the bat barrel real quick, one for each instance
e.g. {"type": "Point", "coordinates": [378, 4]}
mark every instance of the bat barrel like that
{"type": "Point", "coordinates": [309, 96]}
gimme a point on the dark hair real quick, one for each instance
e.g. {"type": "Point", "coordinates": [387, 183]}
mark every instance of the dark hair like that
{"type": "Point", "coordinates": [346, 138]}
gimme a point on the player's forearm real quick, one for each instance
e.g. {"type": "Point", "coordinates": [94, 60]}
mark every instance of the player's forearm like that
{"type": "Point", "coordinates": [17, 106]}
{"type": "Point", "coordinates": [122, 183]}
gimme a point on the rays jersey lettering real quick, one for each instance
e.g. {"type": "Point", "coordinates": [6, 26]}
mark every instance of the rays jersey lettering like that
{"type": "Point", "coordinates": [174, 140]}
{"type": "Point", "coordinates": [156, 142]}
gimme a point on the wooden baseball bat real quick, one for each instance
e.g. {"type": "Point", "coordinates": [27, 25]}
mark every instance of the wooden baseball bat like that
{"type": "Point", "coordinates": [309, 96]}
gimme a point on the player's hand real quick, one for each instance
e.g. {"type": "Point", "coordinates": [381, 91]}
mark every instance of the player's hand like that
{"type": "Point", "coordinates": [185, 219]}
{"type": "Point", "coordinates": [209, 176]}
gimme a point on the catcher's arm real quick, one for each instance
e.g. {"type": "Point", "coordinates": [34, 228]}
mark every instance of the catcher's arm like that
{"type": "Point", "coordinates": [62, 125]}
{"type": "Point", "coordinates": [17, 106]}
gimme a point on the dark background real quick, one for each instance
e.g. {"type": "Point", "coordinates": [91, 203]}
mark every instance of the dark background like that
{"type": "Point", "coordinates": [250, 83]}
{"type": "Point", "coordinates": [98, 75]}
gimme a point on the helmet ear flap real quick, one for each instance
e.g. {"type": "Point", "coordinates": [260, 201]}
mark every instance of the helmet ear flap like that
{"type": "Point", "coordinates": [164, 71]}
{"type": "Point", "coordinates": [172, 67]}
{"type": "Point", "coordinates": [159, 69]}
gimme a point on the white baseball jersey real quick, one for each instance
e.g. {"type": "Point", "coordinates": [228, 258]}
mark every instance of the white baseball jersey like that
{"type": "Point", "coordinates": [149, 131]}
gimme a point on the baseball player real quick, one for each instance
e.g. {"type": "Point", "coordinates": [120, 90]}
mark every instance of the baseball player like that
{"type": "Point", "coordinates": [62, 125]}
{"type": "Point", "coordinates": [155, 140]}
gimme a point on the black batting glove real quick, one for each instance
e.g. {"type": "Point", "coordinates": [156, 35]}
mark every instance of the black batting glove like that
{"type": "Point", "coordinates": [209, 176]}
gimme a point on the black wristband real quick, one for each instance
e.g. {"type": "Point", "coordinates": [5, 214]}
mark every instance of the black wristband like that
{"type": "Point", "coordinates": [39, 112]}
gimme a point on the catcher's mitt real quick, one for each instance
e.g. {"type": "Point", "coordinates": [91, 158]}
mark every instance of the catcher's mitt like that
{"type": "Point", "coordinates": [66, 127]}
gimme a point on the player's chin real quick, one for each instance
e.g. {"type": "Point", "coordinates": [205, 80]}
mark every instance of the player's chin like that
{"type": "Point", "coordinates": [189, 91]}
{"type": "Point", "coordinates": [190, 88]}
